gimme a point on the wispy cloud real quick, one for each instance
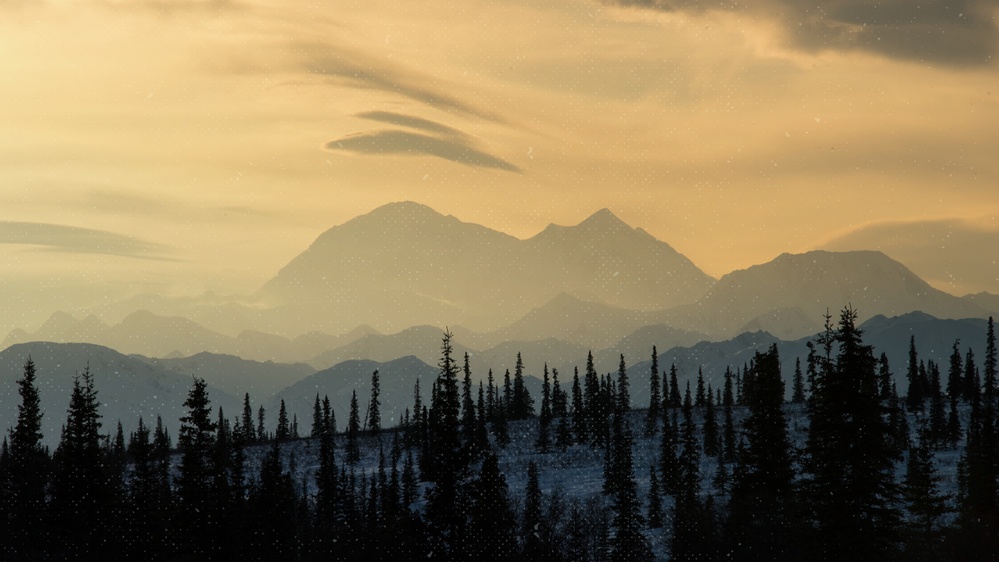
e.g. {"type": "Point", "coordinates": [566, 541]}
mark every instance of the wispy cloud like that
{"type": "Point", "coordinates": [358, 70]}
{"type": "Point", "coordinates": [951, 32]}
{"type": "Point", "coordinates": [407, 143]}
{"type": "Point", "coordinates": [412, 122]}
{"type": "Point", "coordinates": [72, 239]}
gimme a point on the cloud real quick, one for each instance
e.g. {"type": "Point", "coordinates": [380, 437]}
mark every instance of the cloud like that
{"type": "Point", "coordinates": [412, 122]}
{"type": "Point", "coordinates": [72, 239]}
{"type": "Point", "coordinates": [951, 32]}
{"type": "Point", "coordinates": [404, 142]}
{"type": "Point", "coordinates": [358, 70]}
{"type": "Point", "coordinates": [953, 254]}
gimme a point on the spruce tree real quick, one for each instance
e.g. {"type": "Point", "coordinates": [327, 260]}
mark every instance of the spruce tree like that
{"type": "Point", "coordinates": [522, 405]}
{"type": "Point", "coordinates": [691, 538]}
{"type": "Point", "coordinates": [923, 501]}
{"type": "Point", "coordinates": [81, 495]}
{"type": "Point", "coordinates": [798, 390]}
{"type": "Point", "coordinates": [545, 416]}
{"type": "Point", "coordinates": [467, 404]}
{"type": "Point", "coordinates": [578, 411]}
{"type": "Point", "coordinates": [283, 431]}
{"type": "Point", "coordinates": [249, 434]}
{"type": "Point", "coordinates": [916, 394]}
{"type": "Point", "coordinates": [25, 473]}
{"type": "Point", "coordinates": [352, 448]}
{"type": "Point", "coordinates": [955, 374]}
{"type": "Point", "coordinates": [700, 398]}
{"type": "Point", "coordinates": [710, 427]}
{"type": "Point", "coordinates": [675, 400]}
{"type": "Point", "coordinates": [317, 419]}
{"type": "Point", "coordinates": [628, 544]}
{"type": "Point", "coordinates": [532, 549]}
{"type": "Point", "coordinates": [560, 399]}
{"type": "Point", "coordinates": [261, 428]}
{"type": "Point", "coordinates": [759, 524]}
{"type": "Point", "coordinates": [448, 461]}
{"type": "Point", "coordinates": [655, 397]}
{"type": "Point", "coordinates": [373, 421]}
{"type": "Point", "coordinates": [492, 536]}
{"type": "Point", "coordinates": [655, 511]}
{"type": "Point", "coordinates": [849, 463]}
{"type": "Point", "coordinates": [196, 442]}
{"type": "Point", "coordinates": [728, 431]}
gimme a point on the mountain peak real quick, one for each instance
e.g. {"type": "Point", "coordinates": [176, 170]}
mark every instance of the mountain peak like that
{"type": "Point", "coordinates": [405, 210]}
{"type": "Point", "coordinates": [604, 218]}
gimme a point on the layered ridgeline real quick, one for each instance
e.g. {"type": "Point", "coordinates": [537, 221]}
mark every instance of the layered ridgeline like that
{"type": "Point", "coordinates": [789, 295]}
{"type": "Point", "coordinates": [404, 264]}
{"type": "Point", "coordinates": [385, 284]}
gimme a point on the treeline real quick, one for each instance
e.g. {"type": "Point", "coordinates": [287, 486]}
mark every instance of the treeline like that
{"type": "Point", "coordinates": [231, 490]}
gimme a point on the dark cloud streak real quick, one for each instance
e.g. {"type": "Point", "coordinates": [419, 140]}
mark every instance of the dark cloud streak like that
{"type": "Point", "coordinates": [951, 32]}
{"type": "Point", "coordinates": [360, 71]}
{"type": "Point", "coordinates": [411, 122]}
{"type": "Point", "coordinates": [404, 142]}
{"type": "Point", "coordinates": [72, 239]}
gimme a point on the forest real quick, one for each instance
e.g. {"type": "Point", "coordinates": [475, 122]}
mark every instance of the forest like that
{"type": "Point", "coordinates": [846, 469]}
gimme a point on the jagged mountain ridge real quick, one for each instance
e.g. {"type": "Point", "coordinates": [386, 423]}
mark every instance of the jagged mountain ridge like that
{"type": "Point", "coordinates": [435, 269]}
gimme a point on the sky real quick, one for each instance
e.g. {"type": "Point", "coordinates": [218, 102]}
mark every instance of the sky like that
{"type": "Point", "coordinates": [182, 146]}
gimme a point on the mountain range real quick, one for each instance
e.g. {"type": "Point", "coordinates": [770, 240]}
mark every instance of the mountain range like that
{"type": "Point", "coordinates": [133, 386]}
{"type": "Point", "coordinates": [384, 285]}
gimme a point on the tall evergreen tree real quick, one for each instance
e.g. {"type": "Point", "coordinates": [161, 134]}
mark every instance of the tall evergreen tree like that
{"type": "Point", "coordinates": [249, 433]}
{"type": "Point", "coordinates": [849, 465]}
{"type": "Point", "coordinates": [560, 399]}
{"type": "Point", "coordinates": [700, 398]}
{"type": "Point", "coordinates": [25, 473]}
{"type": "Point", "coordinates": [149, 499]}
{"type": "Point", "coordinates": [533, 548]}
{"type": "Point", "coordinates": [545, 416]}
{"type": "Point", "coordinates": [759, 524]}
{"type": "Point", "coordinates": [492, 531]}
{"type": "Point", "coordinates": [691, 538]}
{"type": "Point", "coordinates": [955, 374]}
{"type": "Point", "coordinates": [654, 515]}
{"type": "Point", "coordinates": [373, 421]}
{"type": "Point", "coordinates": [710, 427]}
{"type": "Point", "coordinates": [261, 428]}
{"type": "Point", "coordinates": [728, 431]}
{"type": "Point", "coordinates": [578, 410]}
{"type": "Point", "coordinates": [675, 399]}
{"type": "Point", "coordinates": [655, 397]}
{"type": "Point", "coordinates": [628, 544]}
{"type": "Point", "coordinates": [979, 505]}
{"type": "Point", "coordinates": [798, 390]}
{"type": "Point", "coordinates": [352, 448]}
{"type": "Point", "coordinates": [491, 401]}
{"type": "Point", "coordinates": [917, 392]}
{"type": "Point", "coordinates": [81, 494]}
{"type": "Point", "coordinates": [283, 431]}
{"type": "Point", "coordinates": [923, 501]}
{"type": "Point", "coordinates": [196, 442]}
{"type": "Point", "coordinates": [448, 462]}
{"type": "Point", "coordinates": [522, 405]}
{"type": "Point", "coordinates": [317, 419]}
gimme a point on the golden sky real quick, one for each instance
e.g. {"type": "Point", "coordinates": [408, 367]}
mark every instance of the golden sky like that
{"type": "Point", "coordinates": [178, 146]}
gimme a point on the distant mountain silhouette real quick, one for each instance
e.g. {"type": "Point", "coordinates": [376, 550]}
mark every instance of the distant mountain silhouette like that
{"type": "Point", "coordinates": [235, 375]}
{"type": "Point", "coordinates": [785, 294]}
{"type": "Point", "coordinates": [150, 335]}
{"type": "Point", "coordinates": [404, 264]}
{"type": "Point", "coordinates": [126, 387]}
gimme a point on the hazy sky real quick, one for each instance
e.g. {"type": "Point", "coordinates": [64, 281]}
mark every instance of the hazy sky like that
{"type": "Point", "coordinates": [181, 146]}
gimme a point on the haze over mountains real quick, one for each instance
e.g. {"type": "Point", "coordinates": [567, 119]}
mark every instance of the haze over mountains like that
{"type": "Point", "coordinates": [404, 265]}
